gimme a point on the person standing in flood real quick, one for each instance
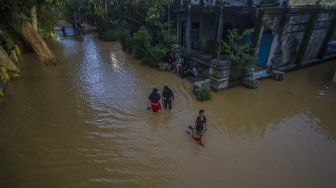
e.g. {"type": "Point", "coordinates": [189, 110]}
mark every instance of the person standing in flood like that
{"type": "Point", "coordinates": [199, 127]}
{"type": "Point", "coordinates": [154, 100]}
{"type": "Point", "coordinates": [167, 97]}
{"type": "Point", "coordinates": [63, 30]}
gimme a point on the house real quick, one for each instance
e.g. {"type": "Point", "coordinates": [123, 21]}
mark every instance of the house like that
{"type": "Point", "coordinates": [287, 33]}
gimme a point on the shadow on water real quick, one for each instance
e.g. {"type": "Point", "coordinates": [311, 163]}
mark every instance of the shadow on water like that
{"type": "Point", "coordinates": [84, 123]}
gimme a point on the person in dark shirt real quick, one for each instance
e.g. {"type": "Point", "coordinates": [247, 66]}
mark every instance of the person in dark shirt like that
{"type": "Point", "coordinates": [154, 100]}
{"type": "Point", "coordinates": [170, 59]}
{"type": "Point", "coordinates": [199, 127]}
{"type": "Point", "coordinates": [167, 97]}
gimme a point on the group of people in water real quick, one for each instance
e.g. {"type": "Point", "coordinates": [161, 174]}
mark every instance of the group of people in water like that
{"type": "Point", "coordinates": [76, 27]}
{"type": "Point", "coordinates": [167, 99]}
{"type": "Point", "coordinates": [181, 66]}
{"type": "Point", "coordinates": [155, 99]}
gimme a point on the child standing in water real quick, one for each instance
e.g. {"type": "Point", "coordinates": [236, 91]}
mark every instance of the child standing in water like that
{"type": "Point", "coordinates": [199, 127]}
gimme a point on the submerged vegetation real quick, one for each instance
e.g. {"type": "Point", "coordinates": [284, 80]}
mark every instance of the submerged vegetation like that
{"type": "Point", "coordinates": [203, 95]}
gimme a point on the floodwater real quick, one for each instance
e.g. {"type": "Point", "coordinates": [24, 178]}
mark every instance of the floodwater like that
{"type": "Point", "coordinates": [84, 123]}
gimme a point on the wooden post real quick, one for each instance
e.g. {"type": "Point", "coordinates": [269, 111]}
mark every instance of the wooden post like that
{"type": "Point", "coordinates": [306, 38]}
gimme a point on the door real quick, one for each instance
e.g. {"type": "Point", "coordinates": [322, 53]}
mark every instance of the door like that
{"type": "Point", "coordinates": [265, 47]}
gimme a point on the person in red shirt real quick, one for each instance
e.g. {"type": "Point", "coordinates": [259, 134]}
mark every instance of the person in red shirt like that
{"type": "Point", "coordinates": [154, 101]}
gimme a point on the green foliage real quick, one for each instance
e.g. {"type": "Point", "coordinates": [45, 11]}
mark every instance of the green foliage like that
{"type": "Point", "coordinates": [203, 95]}
{"type": "Point", "coordinates": [108, 36]}
{"type": "Point", "coordinates": [140, 42]}
{"type": "Point", "coordinates": [155, 23]}
{"type": "Point", "coordinates": [73, 8]}
{"type": "Point", "coordinates": [2, 4]}
{"type": "Point", "coordinates": [17, 14]}
{"type": "Point", "coordinates": [150, 39]}
{"type": "Point", "coordinates": [238, 51]}
{"type": "Point", "coordinates": [21, 21]}
{"type": "Point", "coordinates": [153, 14]}
{"type": "Point", "coordinates": [138, 24]}
{"type": "Point", "coordinates": [126, 42]}
{"type": "Point", "coordinates": [12, 40]}
{"type": "Point", "coordinates": [145, 12]}
{"type": "Point", "coordinates": [113, 33]}
{"type": "Point", "coordinates": [123, 35]}
{"type": "Point", "coordinates": [162, 37]}
{"type": "Point", "coordinates": [150, 14]}
{"type": "Point", "coordinates": [154, 55]}
{"type": "Point", "coordinates": [47, 20]}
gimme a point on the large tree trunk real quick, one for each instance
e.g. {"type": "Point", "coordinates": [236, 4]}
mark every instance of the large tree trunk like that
{"type": "Point", "coordinates": [38, 44]}
{"type": "Point", "coordinates": [34, 17]}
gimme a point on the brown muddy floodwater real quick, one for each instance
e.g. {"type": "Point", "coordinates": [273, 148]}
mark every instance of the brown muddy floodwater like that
{"type": "Point", "coordinates": [84, 123]}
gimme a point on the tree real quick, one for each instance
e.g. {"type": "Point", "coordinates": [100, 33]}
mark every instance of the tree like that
{"type": "Point", "coordinates": [22, 17]}
{"type": "Point", "coordinates": [140, 42]}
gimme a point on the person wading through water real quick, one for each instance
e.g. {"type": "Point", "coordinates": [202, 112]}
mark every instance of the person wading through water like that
{"type": "Point", "coordinates": [167, 97]}
{"type": "Point", "coordinates": [154, 101]}
{"type": "Point", "coordinates": [199, 127]}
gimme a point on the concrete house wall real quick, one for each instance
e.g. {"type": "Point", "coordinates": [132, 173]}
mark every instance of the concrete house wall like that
{"type": "Point", "coordinates": [312, 2]}
{"type": "Point", "coordinates": [300, 32]}
{"type": "Point", "coordinates": [300, 36]}
{"type": "Point", "coordinates": [319, 33]}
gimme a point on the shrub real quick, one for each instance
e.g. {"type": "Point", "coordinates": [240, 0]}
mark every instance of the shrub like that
{"type": "Point", "coordinates": [124, 40]}
{"type": "Point", "coordinates": [108, 35]}
{"type": "Point", "coordinates": [203, 95]}
{"type": "Point", "coordinates": [140, 42]}
{"type": "Point", "coordinates": [124, 36]}
{"type": "Point", "coordinates": [154, 55]}
{"type": "Point", "coordinates": [162, 37]}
